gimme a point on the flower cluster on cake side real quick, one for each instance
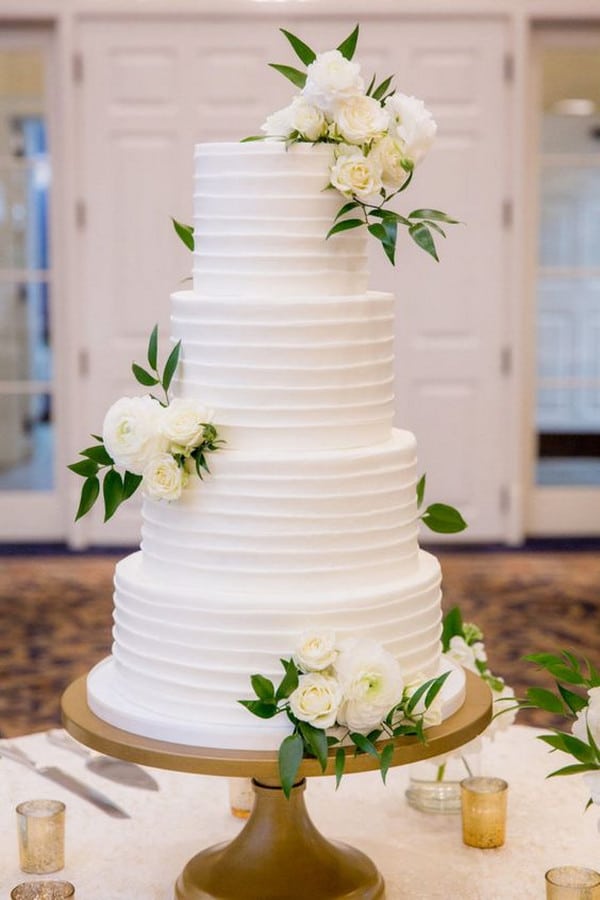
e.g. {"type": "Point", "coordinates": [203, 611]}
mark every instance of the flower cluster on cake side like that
{"type": "Point", "coordinates": [346, 695]}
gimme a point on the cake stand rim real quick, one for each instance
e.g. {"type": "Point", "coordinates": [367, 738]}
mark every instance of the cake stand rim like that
{"type": "Point", "coordinates": [78, 719]}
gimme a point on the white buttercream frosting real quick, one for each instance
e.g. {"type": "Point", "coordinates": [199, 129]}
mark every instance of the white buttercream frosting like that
{"type": "Point", "coordinates": [309, 516]}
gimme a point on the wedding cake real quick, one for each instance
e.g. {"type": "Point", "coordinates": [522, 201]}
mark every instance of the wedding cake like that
{"type": "Point", "coordinates": [309, 514]}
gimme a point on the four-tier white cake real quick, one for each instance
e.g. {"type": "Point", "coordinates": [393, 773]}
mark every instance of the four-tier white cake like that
{"type": "Point", "coordinates": [309, 514]}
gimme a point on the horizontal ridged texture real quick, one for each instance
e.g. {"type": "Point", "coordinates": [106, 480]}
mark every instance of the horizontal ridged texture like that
{"type": "Point", "coordinates": [309, 517]}
{"type": "Point", "coordinates": [261, 217]}
{"type": "Point", "coordinates": [290, 374]}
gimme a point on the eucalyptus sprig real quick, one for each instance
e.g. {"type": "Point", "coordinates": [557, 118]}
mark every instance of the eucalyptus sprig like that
{"type": "Point", "coordinates": [406, 718]}
{"type": "Point", "coordinates": [572, 677]}
{"type": "Point", "coordinates": [439, 517]}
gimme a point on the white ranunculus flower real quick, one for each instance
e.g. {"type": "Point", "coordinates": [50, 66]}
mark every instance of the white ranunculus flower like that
{"type": "Point", "coordinates": [460, 652]}
{"type": "Point", "coordinates": [590, 715]}
{"type": "Point", "coordinates": [163, 478]}
{"type": "Point", "coordinates": [316, 650]}
{"type": "Point", "coordinates": [412, 124]}
{"type": "Point", "coordinates": [131, 432]}
{"type": "Point", "coordinates": [279, 124]}
{"type": "Point", "coordinates": [307, 119]}
{"type": "Point", "coordinates": [371, 682]}
{"type": "Point", "coordinates": [316, 700]}
{"type": "Point", "coordinates": [388, 152]}
{"type": "Point", "coordinates": [183, 424]}
{"type": "Point", "coordinates": [355, 174]}
{"type": "Point", "coordinates": [331, 77]}
{"type": "Point", "coordinates": [360, 119]}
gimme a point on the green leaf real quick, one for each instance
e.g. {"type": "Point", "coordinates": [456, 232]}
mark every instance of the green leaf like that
{"type": "Point", "coordinates": [389, 214]}
{"type": "Point", "coordinates": [436, 228]}
{"type": "Point", "coordinates": [422, 236]}
{"type": "Point", "coordinates": [263, 688]}
{"type": "Point", "coordinates": [85, 467]}
{"type": "Point", "coordinates": [171, 365]}
{"type": "Point", "coordinates": [294, 75]}
{"type": "Point", "coordinates": [184, 232]}
{"type": "Point", "coordinates": [453, 626]}
{"type": "Point", "coordinates": [386, 759]}
{"type": "Point", "coordinates": [340, 765]}
{"type": "Point", "coordinates": [289, 682]}
{"type": "Point", "coordinates": [443, 519]}
{"type": "Point", "coordinates": [576, 769]}
{"type": "Point", "coordinates": [574, 701]}
{"type": "Point", "coordinates": [434, 214]}
{"type": "Point", "coordinates": [89, 495]}
{"type": "Point", "coordinates": [260, 709]}
{"type": "Point", "coordinates": [153, 349]}
{"type": "Point", "coordinates": [421, 489]}
{"type": "Point", "coordinates": [291, 752]}
{"type": "Point", "coordinates": [316, 741]}
{"type": "Point", "coordinates": [99, 454]}
{"type": "Point", "coordinates": [416, 696]}
{"type": "Point", "coordinates": [143, 376]}
{"type": "Point", "coordinates": [543, 659]}
{"type": "Point", "coordinates": [131, 483]}
{"type": "Point", "coordinates": [346, 208]}
{"type": "Point", "coordinates": [253, 137]}
{"type": "Point", "coordinates": [570, 744]}
{"type": "Point", "coordinates": [348, 46]}
{"type": "Point", "coordinates": [380, 91]}
{"type": "Point", "coordinates": [344, 225]}
{"type": "Point", "coordinates": [376, 229]}
{"type": "Point", "coordinates": [546, 700]}
{"type": "Point", "coordinates": [112, 490]}
{"type": "Point", "coordinates": [435, 687]}
{"type": "Point", "coordinates": [302, 50]}
{"type": "Point", "coordinates": [371, 85]}
{"type": "Point", "coordinates": [364, 744]}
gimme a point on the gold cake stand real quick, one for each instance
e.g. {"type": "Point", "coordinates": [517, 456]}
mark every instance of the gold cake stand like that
{"type": "Point", "coordinates": [279, 854]}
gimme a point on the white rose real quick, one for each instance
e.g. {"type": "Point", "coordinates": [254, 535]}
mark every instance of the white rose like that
{"type": "Point", "coordinates": [413, 125]}
{"type": "Point", "coordinates": [589, 717]}
{"type": "Point", "coordinates": [503, 702]}
{"type": "Point", "coordinates": [163, 478]}
{"type": "Point", "coordinates": [131, 432]}
{"type": "Point", "coordinates": [316, 651]}
{"type": "Point", "coordinates": [360, 119]}
{"type": "Point", "coordinates": [183, 423]}
{"type": "Point", "coordinates": [460, 652]}
{"type": "Point", "coordinates": [316, 700]}
{"type": "Point", "coordinates": [371, 683]}
{"type": "Point", "coordinates": [331, 77]}
{"type": "Point", "coordinates": [355, 174]}
{"type": "Point", "coordinates": [279, 124]}
{"type": "Point", "coordinates": [307, 119]}
{"type": "Point", "coordinates": [388, 153]}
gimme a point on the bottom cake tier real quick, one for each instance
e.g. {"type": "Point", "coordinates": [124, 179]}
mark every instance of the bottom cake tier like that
{"type": "Point", "coordinates": [181, 661]}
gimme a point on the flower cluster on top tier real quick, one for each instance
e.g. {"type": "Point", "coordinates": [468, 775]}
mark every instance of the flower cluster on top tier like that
{"type": "Point", "coordinates": [379, 136]}
{"type": "Point", "coordinates": [348, 694]}
{"type": "Point", "coordinates": [155, 442]}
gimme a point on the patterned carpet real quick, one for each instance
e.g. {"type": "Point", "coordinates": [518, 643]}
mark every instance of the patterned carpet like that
{"type": "Point", "coordinates": [56, 619]}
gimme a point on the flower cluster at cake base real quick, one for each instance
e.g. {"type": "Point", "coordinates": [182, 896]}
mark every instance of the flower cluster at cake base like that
{"type": "Point", "coordinates": [576, 698]}
{"type": "Point", "coordinates": [379, 136]}
{"type": "Point", "coordinates": [344, 695]}
{"type": "Point", "coordinates": [156, 443]}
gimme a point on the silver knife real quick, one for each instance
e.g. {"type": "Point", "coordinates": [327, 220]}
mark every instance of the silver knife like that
{"type": "Point", "coordinates": [53, 773]}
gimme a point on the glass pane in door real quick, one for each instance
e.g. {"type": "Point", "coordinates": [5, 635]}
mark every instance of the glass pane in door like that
{"type": "Point", "coordinates": [568, 284]}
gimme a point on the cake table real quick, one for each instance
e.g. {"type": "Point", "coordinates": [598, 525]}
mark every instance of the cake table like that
{"type": "Point", "coordinates": [279, 853]}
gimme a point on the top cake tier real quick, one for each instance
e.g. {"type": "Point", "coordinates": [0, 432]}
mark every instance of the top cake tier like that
{"type": "Point", "coordinates": [261, 216]}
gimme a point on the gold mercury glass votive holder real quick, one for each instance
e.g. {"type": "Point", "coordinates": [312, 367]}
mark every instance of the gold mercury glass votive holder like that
{"type": "Point", "coordinates": [572, 883]}
{"type": "Point", "coordinates": [41, 833]}
{"type": "Point", "coordinates": [43, 890]}
{"type": "Point", "coordinates": [483, 807]}
{"type": "Point", "coordinates": [241, 797]}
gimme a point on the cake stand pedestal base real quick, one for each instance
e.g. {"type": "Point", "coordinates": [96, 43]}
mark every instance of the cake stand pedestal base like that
{"type": "Point", "coordinates": [279, 853]}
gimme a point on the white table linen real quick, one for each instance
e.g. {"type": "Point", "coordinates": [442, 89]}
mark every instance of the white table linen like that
{"type": "Point", "coordinates": [421, 856]}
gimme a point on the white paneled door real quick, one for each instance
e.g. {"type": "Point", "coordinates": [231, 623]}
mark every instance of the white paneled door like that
{"type": "Point", "coordinates": [146, 95]}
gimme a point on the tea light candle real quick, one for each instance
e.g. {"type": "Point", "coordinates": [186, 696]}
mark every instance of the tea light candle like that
{"type": "Point", "coordinates": [43, 890]}
{"type": "Point", "coordinates": [483, 806]}
{"type": "Point", "coordinates": [41, 832]}
{"type": "Point", "coordinates": [572, 883]}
